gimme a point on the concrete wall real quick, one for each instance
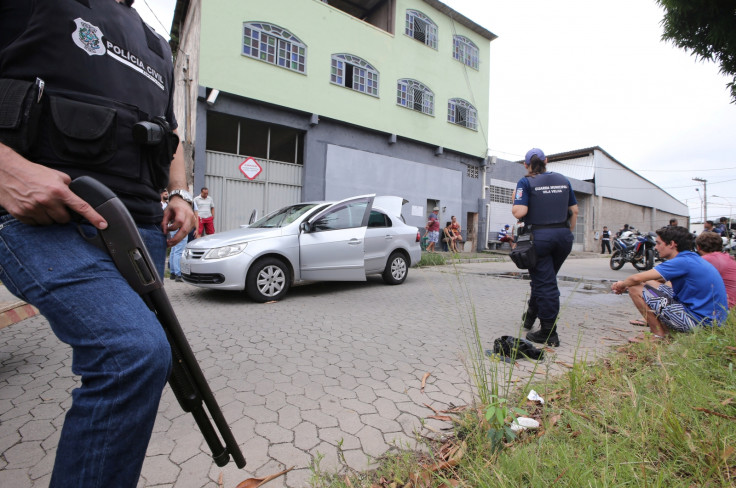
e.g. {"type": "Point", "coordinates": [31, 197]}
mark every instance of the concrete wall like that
{"type": "Point", "coordinates": [341, 160]}
{"type": "Point", "coordinates": [616, 213]}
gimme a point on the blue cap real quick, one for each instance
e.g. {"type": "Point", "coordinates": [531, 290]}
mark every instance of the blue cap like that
{"type": "Point", "coordinates": [536, 151]}
{"type": "Point", "coordinates": [506, 226]}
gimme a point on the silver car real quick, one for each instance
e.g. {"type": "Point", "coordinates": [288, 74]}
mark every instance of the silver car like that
{"type": "Point", "coordinates": [312, 241]}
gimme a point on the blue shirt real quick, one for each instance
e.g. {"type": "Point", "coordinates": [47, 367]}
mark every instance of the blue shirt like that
{"type": "Point", "coordinates": [503, 233]}
{"type": "Point", "coordinates": [697, 285]}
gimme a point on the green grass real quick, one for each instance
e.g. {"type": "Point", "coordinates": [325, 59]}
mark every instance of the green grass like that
{"type": "Point", "coordinates": [648, 415]}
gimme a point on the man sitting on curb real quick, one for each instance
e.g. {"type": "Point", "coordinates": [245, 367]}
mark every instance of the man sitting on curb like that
{"type": "Point", "coordinates": [709, 246]}
{"type": "Point", "coordinates": [697, 296]}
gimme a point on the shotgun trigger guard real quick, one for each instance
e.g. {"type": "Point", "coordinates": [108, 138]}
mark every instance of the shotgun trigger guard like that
{"type": "Point", "coordinates": [96, 240]}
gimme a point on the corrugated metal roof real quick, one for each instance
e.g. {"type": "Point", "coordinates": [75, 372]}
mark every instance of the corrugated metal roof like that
{"type": "Point", "coordinates": [578, 168]}
{"type": "Point", "coordinates": [551, 158]}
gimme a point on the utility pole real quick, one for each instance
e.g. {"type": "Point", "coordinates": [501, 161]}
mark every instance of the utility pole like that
{"type": "Point", "coordinates": [705, 196]}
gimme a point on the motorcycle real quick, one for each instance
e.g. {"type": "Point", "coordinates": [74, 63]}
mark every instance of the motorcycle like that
{"type": "Point", "coordinates": [635, 249]}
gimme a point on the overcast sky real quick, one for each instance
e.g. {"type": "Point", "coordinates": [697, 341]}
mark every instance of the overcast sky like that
{"type": "Point", "coordinates": [571, 74]}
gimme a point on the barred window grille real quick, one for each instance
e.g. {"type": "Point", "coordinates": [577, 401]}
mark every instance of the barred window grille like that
{"type": "Point", "coordinates": [355, 73]}
{"type": "Point", "coordinates": [415, 96]}
{"type": "Point", "coordinates": [461, 112]}
{"type": "Point", "coordinates": [421, 28]}
{"type": "Point", "coordinates": [502, 195]}
{"type": "Point", "coordinates": [465, 51]}
{"type": "Point", "coordinates": [473, 172]}
{"type": "Point", "coordinates": [274, 45]}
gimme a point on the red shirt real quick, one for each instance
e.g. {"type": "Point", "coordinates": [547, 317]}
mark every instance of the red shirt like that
{"type": "Point", "coordinates": [433, 223]}
{"type": "Point", "coordinates": [726, 266]}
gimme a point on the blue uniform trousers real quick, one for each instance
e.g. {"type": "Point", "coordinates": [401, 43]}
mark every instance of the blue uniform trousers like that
{"type": "Point", "coordinates": [552, 246]}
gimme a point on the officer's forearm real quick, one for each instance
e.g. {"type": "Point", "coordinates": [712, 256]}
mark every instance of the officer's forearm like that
{"type": "Point", "coordinates": [177, 173]}
{"type": "Point", "coordinates": [573, 217]}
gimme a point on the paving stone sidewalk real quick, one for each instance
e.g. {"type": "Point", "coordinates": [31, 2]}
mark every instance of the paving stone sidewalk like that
{"type": "Point", "coordinates": [334, 364]}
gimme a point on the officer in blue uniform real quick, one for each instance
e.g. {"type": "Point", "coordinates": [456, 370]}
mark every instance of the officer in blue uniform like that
{"type": "Point", "coordinates": [76, 77]}
{"type": "Point", "coordinates": [545, 202]}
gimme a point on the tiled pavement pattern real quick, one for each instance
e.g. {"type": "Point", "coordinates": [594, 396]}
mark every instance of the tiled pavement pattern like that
{"type": "Point", "coordinates": [332, 364]}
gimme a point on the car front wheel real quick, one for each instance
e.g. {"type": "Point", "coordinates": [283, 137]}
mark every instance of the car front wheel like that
{"type": "Point", "coordinates": [396, 269]}
{"type": "Point", "coordinates": [268, 280]}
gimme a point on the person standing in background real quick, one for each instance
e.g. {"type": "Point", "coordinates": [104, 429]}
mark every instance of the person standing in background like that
{"type": "Point", "coordinates": [433, 229]}
{"type": "Point", "coordinates": [206, 212]}
{"type": "Point", "coordinates": [605, 240]}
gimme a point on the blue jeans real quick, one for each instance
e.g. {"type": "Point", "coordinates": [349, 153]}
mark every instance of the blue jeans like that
{"type": "Point", "coordinates": [119, 348]}
{"type": "Point", "coordinates": [552, 246]}
{"type": "Point", "coordinates": [175, 256]}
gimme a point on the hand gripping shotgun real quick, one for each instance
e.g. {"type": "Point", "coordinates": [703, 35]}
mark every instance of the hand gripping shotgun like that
{"type": "Point", "coordinates": [123, 243]}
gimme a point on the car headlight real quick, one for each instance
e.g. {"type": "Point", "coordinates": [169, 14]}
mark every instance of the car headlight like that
{"type": "Point", "coordinates": [225, 251]}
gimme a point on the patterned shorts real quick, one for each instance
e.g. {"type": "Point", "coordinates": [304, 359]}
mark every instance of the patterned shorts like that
{"type": "Point", "coordinates": [668, 310]}
{"type": "Point", "coordinates": [434, 235]}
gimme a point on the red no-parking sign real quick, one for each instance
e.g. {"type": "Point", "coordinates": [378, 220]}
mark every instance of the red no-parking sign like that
{"type": "Point", "coordinates": [250, 168]}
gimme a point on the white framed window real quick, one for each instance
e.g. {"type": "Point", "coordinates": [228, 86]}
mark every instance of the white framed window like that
{"type": "Point", "coordinates": [421, 28]}
{"type": "Point", "coordinates": [502, 195]}
{"type": "Point", "coordinates": [461, 112]}
{"type": "Point", "coordinates": [415, 96]}
{"type": "Point", "coordinates": [274, 45]}
{"type": "Point", "coordinates": [353, 72]}
{"type": "Point", "coordinates": [465, 51]}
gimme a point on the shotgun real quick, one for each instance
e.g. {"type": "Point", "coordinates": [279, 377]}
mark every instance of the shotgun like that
{"type": "Point", "coordinates": [123, 243]}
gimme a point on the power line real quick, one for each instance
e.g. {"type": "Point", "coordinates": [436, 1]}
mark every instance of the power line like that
{"type": "Point", "coordinates": [156, 17]}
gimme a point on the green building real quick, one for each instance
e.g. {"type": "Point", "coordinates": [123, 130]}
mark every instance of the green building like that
{"type": "Point", "coordinates": [333, 99]}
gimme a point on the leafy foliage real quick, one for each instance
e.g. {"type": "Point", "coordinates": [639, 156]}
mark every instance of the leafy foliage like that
{"type": "Point", "coordinates": [706, 29]}
{"type": "Point", "coordinates": [500, 416]}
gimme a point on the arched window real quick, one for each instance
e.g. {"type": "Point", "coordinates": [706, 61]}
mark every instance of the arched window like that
{"type": "Point", "coordinates": [461, 112]}
{"type": "Point", "coordinates": [275, 45]}
{"type": "Point", "coordinates": [353, 72]}
{"type": "Point", "coordinates": [415, 96]}
{"type": "Point", "coordinates": [465, 51]}
{"type": "Point", "coordinates": [421, 28]}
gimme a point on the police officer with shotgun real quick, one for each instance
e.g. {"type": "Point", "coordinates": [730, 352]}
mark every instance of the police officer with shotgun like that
{"type": "Point", "coordinates": [86, 89]}
{"type": "Point", "coordinates": [545, 202]}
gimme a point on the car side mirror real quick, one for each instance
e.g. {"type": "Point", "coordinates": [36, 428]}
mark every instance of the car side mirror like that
{"type": "Point", "coordinates": [305, 227]}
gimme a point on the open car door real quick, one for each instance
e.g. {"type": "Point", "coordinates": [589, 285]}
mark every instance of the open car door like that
{"type": "Point", "coordinates": [332, 243]}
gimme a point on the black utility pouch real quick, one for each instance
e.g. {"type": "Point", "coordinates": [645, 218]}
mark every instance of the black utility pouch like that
{"type": "Point", "coordinates": [524, 255]}
{"type": "Point", "coordinates": [82, 132]}
{"type": "Point", "coordinates": [20, 113]}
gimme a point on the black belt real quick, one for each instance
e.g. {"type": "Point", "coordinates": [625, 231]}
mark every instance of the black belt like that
{"type": "Point", "coordinates": [549, 226]}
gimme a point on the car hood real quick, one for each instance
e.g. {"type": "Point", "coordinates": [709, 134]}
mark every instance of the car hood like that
{"type": "Point", "coordinates": [390, 204]}
{"type": "Point", "coordinates": [235, 236]}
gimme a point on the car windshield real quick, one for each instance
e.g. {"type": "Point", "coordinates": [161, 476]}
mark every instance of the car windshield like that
{"type": "Point", "coordinates": [283, 217]}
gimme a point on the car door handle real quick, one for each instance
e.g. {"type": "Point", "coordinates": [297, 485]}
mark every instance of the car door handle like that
{"type": "Point", "coordinates": [388, 236]}
{"type": "Point", "coordinates": [354, 242]}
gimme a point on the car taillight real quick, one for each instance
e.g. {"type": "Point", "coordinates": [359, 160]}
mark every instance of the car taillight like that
{"type": "Point", "coordinates": [419, 238]}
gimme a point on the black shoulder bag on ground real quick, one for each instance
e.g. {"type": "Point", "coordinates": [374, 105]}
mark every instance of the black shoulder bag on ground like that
{"type": "Point", "coordinates": [524, 255]}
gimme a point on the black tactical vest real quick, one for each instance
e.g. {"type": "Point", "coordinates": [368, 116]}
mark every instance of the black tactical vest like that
{"type": "Point", "coordinates": [104, 70]}
{"type": "Point", "coordinates": [548, 199]}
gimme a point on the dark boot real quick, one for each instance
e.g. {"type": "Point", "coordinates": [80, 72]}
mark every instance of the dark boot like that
{"type": "Point", "coordinates": [547, 334]}
{"type": "Point", "coordinates": [530, 316]}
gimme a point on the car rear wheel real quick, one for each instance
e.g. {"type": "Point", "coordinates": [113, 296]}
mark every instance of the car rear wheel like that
{"type": "Point", "coordinates": [396, 269]}
{"type": "Point", "coordinates": [268, 280]}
